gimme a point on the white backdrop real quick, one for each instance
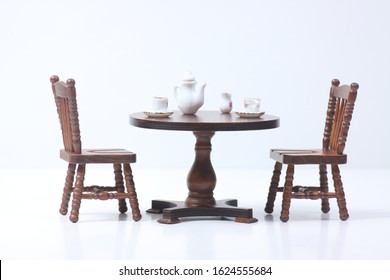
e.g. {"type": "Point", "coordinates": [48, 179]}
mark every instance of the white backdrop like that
{"type": "Point", "coordinates": [123, 52]}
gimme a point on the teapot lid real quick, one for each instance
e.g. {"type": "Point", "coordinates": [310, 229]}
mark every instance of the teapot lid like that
{"type": "Point", "coordinates": [188, 77]}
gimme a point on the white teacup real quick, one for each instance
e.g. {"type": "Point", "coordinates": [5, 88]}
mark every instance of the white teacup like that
{"type": "Point", "coordinates": [252, 105]}
{"type": "Point", "coordinates": [159, 104]}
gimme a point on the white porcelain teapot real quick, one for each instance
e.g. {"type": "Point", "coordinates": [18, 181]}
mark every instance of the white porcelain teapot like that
{"type": "Point", "coordinates": [189, 98]}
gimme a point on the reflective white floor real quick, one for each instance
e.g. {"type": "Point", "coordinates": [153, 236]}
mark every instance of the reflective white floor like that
{"type": "Point", "coordinates": [32, 228]}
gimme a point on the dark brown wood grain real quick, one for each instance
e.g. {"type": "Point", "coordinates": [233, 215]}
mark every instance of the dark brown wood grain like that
{"type": "Point", "coordinates": [66, 103]}
{"type": "Point", "coordinates": [337, 122]}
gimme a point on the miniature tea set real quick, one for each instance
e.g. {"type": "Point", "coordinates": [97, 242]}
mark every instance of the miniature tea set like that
{"type": "Point", "coordinates": [190, 97]}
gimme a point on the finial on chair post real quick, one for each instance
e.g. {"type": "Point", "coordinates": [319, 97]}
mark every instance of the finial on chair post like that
{"type": "Point", "coordinates": [335, 82]}
{"type": "Point", "coordinates": [353, 92]}
{"type": "Point", "coordinates": [354, 86]}
{"type": "Point", "coordinates": [54, 79]}
{"type": "Point", "coordinates": [71, 82]}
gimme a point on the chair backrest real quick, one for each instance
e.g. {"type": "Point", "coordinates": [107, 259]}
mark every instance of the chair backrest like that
{"type": "Point", "coordinates": [66, 103]}
{"type": "Point", "coordinates": [338, 118]}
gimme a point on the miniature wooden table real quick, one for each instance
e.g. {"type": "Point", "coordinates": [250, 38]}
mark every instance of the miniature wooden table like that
{"type": "Point", "coordinates": [201, 180]}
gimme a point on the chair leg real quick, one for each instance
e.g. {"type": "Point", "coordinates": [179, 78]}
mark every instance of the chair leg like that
{"type": "Point", "coordinates": [67, 188]}
{"type": "Point", "coordinates": [120, 187]}
{"type": "Point", "coordinates": [324, 188]}
{"type": "Point", "coordinates": [340, 195]}
{"type": "Point", "coordinates": [287, 193]}
{"type": "Point", "coordinates": [269, 207]}
{"type": "Point", "coordinates": [77, 193]}
{"type": "Point", "coordinates": [131, 190]}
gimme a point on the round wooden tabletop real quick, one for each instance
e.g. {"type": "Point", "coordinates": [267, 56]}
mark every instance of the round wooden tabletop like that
{"type": "Point", "coordinates": [204, 121]}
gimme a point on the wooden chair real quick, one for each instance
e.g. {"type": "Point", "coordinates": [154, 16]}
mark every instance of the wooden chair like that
{"type": "Point", "coordinates": [65, 100]}
{"type": "Point", "coordinates": [339, 114]}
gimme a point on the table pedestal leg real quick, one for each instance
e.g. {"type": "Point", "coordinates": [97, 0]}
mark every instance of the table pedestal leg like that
{"type": "Point", "coordinates": [201, 181]}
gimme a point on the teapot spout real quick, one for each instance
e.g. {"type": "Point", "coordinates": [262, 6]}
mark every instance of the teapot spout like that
{"type": "Point", "coordinates": [201, 87]}
{"type": "Point", "coordinates": [199, 98]}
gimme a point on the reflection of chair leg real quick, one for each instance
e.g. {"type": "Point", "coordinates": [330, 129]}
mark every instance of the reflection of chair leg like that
{"type": "Point", "coordinates": [287, 193]}
{"type": "Point", "coordinates": [120, 187]}
{"type": "Point", "coordinates": [269, 207]}
{"type": "Point", "coordinates": [68, 188]}
{"type": "Point", "coordinates": [340, 195]}
{"type": "Point", "coordinates": [131, 190]}
{"type": "Point", "coordinates": [77, 193]}
{"type": "Point", "coordinates": [324, 188]}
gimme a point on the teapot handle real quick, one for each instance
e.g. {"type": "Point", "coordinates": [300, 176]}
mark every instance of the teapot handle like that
{"type": "Point", "coordinates": [175, 92]}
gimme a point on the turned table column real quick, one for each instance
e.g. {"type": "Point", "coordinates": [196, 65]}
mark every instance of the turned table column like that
{"type": "Point", "coordinates": [201, 179]}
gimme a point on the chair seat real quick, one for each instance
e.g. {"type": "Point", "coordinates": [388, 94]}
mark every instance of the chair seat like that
{"type": "Point", "coordinates": [99, 156]}
{"type": "Point", "coordinates": [310, 156]}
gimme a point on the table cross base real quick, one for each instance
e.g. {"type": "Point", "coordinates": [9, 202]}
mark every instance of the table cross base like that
{"type": "Point", "coordinates": [173, 210]}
